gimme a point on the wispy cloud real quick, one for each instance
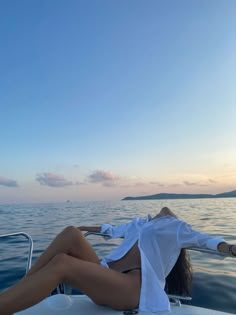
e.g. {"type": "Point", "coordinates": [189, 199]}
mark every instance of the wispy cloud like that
{"type": "Point", "coordinates": [8, 182]}
{"type": "Point", "coordinates": [139, 184]}
{"type": "Point", "coordinates": [77, 183]}
{"type": "Point", "coordinates": [175, 185]}
{"type": "Point", "coordinates": [104, 177]}
{"type": "Point", "coordinates": [199, 183]}
{"type": "Point", "coordinates": [212, 181]}
{"type": "Point", "coordinates": [156, 183]}
{"type": "Point", "coordinates": [187, 183]}
{"type": "Point", "coordinates": [52, 180]}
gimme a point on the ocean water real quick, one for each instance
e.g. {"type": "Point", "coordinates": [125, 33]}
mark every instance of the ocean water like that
{"type": "Point", "coordinates": [214, 280]}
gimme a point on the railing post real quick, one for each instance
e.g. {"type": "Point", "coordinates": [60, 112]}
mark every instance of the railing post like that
{"type": "Point", "coordinates": [30, 240]}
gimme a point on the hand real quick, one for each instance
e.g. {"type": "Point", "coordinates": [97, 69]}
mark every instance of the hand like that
{"type": "Point", "coordinates": [232, 250]}
{"type": "Point", "coordinates": [227, 249]}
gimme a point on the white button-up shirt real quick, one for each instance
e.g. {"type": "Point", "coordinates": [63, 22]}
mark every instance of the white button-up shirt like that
{"type": "Point", "coordinates": [160, 241]}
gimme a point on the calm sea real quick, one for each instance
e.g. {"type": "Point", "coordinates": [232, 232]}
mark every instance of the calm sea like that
{"type": "Point", "coordinates": [214, 284]}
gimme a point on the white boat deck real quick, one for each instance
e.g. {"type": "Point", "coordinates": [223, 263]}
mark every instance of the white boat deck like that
{"type": "Point", "coordinates": [82, 305]}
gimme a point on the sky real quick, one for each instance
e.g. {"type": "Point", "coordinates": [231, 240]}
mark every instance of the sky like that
{"type": "Point", "coordinates": [104, 99]}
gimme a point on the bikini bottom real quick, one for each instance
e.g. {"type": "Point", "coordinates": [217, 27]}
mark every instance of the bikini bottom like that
{"type": "Point", "coordinates": [126, 271]}
{"type": "Point", "coordinates": [104, 264]}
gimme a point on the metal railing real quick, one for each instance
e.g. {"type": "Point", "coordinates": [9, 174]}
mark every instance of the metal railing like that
{"type": "Point", "coordinates": [30, 250]}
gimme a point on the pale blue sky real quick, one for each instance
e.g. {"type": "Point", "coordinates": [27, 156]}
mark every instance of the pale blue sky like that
{"type": "Point", "coordinates": [102, 99]}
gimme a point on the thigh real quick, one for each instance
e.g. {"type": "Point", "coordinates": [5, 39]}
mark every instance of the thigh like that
{"type": "Point", "coordinates": [104, 286]}
{"type": "Point", "coordinates": [78, 246]}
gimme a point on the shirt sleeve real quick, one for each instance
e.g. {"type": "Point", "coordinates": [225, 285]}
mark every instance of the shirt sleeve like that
{"type": "Point", "coordinates": [187, 237]}
{"type": "Point", "coordinates": [112, 231]}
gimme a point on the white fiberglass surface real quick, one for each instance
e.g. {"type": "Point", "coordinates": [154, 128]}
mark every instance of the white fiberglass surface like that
{"type": "Point", "coordinates": [82, 305]}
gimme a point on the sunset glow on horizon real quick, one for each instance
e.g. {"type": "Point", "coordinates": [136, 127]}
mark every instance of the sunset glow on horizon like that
{"type": "Point", "coordinates": [106, 99]}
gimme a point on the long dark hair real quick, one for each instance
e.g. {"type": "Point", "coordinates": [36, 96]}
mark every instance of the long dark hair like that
{"type": "Point", "coordinates": [179, 280]}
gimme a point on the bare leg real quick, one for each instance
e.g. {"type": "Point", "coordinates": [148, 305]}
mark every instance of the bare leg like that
{"type": "Point", "coordinates": [102, 285]}
{"type": "Point", "coordinates": [70, 241]}
{"type": "Point", "coordinates": [29, 291]}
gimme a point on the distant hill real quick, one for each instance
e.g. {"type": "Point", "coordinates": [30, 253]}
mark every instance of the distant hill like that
{"type": "Point", "coordinates": [230, 194]}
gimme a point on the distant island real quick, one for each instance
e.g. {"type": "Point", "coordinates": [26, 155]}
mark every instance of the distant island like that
{"type": "Point", "coordinates": [230, 194]}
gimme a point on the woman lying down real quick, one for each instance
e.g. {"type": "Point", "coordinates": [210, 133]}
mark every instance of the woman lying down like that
{"type": "Point", "coordinates": [149, 262]}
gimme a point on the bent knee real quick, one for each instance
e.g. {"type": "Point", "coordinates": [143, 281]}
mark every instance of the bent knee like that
{"type": "Point", "coordinates": [72, 233]}
{"type": "Point", "coordinates": [71, 229]}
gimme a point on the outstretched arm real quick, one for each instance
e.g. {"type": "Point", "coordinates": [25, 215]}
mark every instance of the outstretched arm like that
{"type": "Point", "coordinates": [112, 231]}
{"type": "Point", "coordinates": [96, 229]}
{"type": "Point", "coordinates": [227, 248]}
{"type": "Point", "coordinates": [187, 237]}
